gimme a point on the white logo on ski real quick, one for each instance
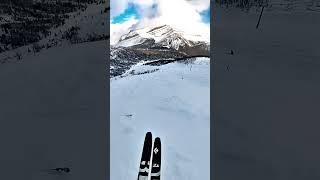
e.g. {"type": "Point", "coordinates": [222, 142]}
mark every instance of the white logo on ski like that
{"type": "Point", "coordinates": [155, 150]}
{"type": "Point", "coordinates": [144, 163]}
{"type": "Point", "coordinates": [146, 169]}
{"type": "Point", "coordinates": [143, 177]}
{"type": "Point", "coordinates": [155, 174]}
{"type": "Point", "coordinates": [156, 165]}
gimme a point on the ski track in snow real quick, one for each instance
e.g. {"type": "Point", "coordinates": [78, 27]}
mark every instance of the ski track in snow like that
{"type": "Point", "coordinates": [174, 104]}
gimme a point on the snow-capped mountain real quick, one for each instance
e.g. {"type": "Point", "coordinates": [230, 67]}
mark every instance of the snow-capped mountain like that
{"type": "Point", "coordinates": [166, 37]}
{"type": "Point", "coordinates": [155, 43]}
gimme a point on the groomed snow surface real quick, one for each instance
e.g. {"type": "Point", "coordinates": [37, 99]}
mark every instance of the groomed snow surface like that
{"type": "Point", "coordinates": [173, 102]}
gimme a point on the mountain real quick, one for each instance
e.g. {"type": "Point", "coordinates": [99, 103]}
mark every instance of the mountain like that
{"type": "Point", "coordinates": [166, 37]}
{"type": "Point", "coordinates": [155, 43]}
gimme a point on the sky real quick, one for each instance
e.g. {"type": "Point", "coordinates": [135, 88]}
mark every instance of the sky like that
{"type": "Point", "coordinates": [191, 16]}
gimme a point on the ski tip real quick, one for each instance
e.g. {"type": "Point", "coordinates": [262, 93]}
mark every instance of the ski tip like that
{"type": "Point", "coordinates": [148, 135]}
{"type": "Point", "coordinates": [157, 139]}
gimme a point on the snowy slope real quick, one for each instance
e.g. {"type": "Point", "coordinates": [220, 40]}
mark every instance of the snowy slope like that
{"type": "Point", "coordinates": [266, 95]}
{"type": "Point", "coordinates": [173, 103]}
{"type": "Point", "coordinates": [91, 23]}
{"type": "Point", "coordinates": [288, 6]}
{"type": "Point", "coordinates": [294, 5]}
{"type": "Point", "coordinates": [52, 111]}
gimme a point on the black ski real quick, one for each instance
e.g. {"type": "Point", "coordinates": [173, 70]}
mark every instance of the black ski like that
{"type": "Point", "coordinates": [145, 158]}
{"type": "Point", "coordinates": [156, 160]}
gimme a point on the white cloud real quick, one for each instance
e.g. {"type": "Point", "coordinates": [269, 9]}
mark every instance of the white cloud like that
{"type": "Point", "coordinates": [116, 30]}
{"type": "Point", "coordinates": [117, 7]}
{"type": "Point", "coordinates": [144, 2]}
{"type": "Point", "coordinates": [200, 5]}
{"type": "Point", "coordinates": [181, 14]}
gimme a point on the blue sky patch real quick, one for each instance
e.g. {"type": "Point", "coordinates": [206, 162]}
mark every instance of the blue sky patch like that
{"type": "Point", "coordinates": [205, 15]}
{"type": "Point", "coordinates": [131, 11]}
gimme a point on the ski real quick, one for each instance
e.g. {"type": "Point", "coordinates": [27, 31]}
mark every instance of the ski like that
{"type": "Point", "coordinates": [156, 160]}
{"type": "Point", "coordinates": [145, 158]}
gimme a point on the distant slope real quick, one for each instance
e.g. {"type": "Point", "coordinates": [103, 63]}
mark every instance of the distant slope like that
{"type": "Point", "coordinates": [273, 5]}
{"type": "Point", "coordinates": [122, 58]}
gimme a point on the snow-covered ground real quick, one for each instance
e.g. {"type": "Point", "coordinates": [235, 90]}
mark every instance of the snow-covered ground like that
{"type": "Point", "coordinates": [266, 95]}
{"type": "Point", "coordinates": [53, 114]}
{"type": "Point", "coordinates": [173, 102]}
